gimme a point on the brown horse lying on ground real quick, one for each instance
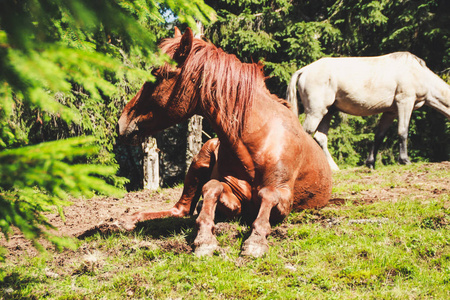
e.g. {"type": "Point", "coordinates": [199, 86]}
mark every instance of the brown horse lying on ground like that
{"type": "Point", "coordinates": [262, 166]}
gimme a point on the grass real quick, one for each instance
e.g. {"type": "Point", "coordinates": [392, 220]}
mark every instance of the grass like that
{"type": "Point", "coordinates": [393, 248]}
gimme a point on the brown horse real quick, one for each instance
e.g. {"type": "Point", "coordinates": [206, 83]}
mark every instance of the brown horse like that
{"type": "Point", "coordinates": [262, 165]}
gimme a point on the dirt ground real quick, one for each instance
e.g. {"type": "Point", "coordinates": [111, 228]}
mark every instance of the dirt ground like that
{"type": "Point", "coordinates": [86, 214]}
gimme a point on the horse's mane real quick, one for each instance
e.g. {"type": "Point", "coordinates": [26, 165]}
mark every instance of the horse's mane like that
{"type": "Point", "coordinates": [226, 83]}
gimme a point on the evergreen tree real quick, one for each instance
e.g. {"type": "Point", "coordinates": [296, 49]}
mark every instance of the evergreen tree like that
{"type": "Point", "coordinates": [64, 67]}
{"type": "Point", "coordinates": [287, 35]}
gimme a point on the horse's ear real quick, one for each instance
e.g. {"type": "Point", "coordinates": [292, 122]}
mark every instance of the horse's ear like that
{"type": "Point", "coordinates": [185, 47]}
{"type": "Point", "coordinates": [177, 32]}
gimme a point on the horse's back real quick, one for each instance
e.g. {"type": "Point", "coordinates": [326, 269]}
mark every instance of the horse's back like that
{"type": "Point", "coordinates": [361, 85]}
{"type": "Point", "coordinates": [361, 69]}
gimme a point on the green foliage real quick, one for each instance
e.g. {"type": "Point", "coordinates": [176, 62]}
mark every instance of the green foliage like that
{"type": "Point", "coordinates": [82, 55]}
{"type": "Point", "coordinates": [40, 178]}
{"type": "Point", "coordinates": [66, 68]}
{"type": "Point", "coordinates": [287, 35]}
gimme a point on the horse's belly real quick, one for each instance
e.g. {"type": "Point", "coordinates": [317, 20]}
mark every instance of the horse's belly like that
{"type": "Point", "coordinates": [366, 105]}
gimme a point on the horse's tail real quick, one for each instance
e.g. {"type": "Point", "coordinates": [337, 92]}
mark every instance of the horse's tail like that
{"type": "Point", "coordinates": [291, 93]}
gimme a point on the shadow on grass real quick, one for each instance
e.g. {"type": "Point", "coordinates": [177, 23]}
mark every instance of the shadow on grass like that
{"type": "Point", "coordinates": [12, 285]}
{"type": "Point", "coordinates": [167, 227]}
{"type": "Point", "coordinates": [157, 228]}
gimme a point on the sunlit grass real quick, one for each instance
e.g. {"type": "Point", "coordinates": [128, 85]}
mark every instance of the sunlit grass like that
{"type": "Point", "coordinates": [390, 249]}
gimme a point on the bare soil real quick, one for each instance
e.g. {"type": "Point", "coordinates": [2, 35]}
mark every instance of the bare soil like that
{"type": "Point", "coordinates": [86, 214]}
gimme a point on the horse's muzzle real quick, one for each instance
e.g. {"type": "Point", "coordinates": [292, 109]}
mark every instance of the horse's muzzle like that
{"type": "Point", "coordinates": [127, 134]}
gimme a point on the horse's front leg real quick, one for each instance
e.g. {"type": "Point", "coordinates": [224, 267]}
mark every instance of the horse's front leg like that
{"type": "Point", "coordinates": [216, 194]}
{"type": "Point", "coordinates": [405, 108]}
{"type": "Point", "coordinates": [280, 199]}
{"type": "Point", "coordinates": [321, 137]}
{"type": "Point", "coordinates": [317, 125]}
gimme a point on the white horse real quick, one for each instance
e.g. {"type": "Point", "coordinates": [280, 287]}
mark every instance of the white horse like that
{"type": "Point", "coordinates": [394, 84]}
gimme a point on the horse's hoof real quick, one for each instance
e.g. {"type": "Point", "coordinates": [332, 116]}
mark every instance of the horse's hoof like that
{"type": "Point", "coordinates": [370, 164]}
{"type": "Point", "coordinates": [404, 161]}
{"type": "Point", "coordinates": [115, 226]}
{"type": "Point", "coordinates": [126, 223]}
{"type": "Point", "coordinates": [126, 226]}
{"type": "Point", "coordinates": [335, 168]}
{"type": "Point", "coordinates": [106, 227]}
{"type": "Point", "coordinates": [254, 249]}
{"type": "Point", "coordinates": [206, 250]}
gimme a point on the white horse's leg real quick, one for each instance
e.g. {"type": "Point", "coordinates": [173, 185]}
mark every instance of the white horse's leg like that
{"type": "Point", "coordinates": [385, 122]}
{"type": "Point", "coordinates": [312, 122]}
{"type": "Point", "coordinates": [318, 103]}
{"type": "Point", "coordinates": [322, 139]}
{"type": "Point", "coordinates": [405, 108]}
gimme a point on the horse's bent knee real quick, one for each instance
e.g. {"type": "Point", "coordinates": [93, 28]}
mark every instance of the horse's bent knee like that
{"type": "Point", "coordinates": [279, 198]}
{"type": "Point", "coordinates": [269, 195]}
{"type": "Point", "coordinates": [310, 129]}
{"type": "Point", "coordinates": [205, 155]}
{"type": "Point", "coordinates": [212, 188]}
{"type": "Point", "coordinates": [311, 123]}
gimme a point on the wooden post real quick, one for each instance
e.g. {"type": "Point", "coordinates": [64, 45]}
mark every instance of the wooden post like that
{"type": "Point", "coordinates": [194, 138]}
{"type": "Point", "coordinates": [150, 164]}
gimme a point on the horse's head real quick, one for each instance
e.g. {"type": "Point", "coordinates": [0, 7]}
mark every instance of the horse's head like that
{"type": "Point", "coordinates": [165, 102]}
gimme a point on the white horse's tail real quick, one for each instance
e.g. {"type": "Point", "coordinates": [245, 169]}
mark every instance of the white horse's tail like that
{"type": "Point", "coordinates": [291, 93]}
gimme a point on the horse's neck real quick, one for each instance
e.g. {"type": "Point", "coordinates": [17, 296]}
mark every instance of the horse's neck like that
{"type": "Point", "coordinates": [445, 92]}
{"type": "Point", "coordinates": [439, 95]}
